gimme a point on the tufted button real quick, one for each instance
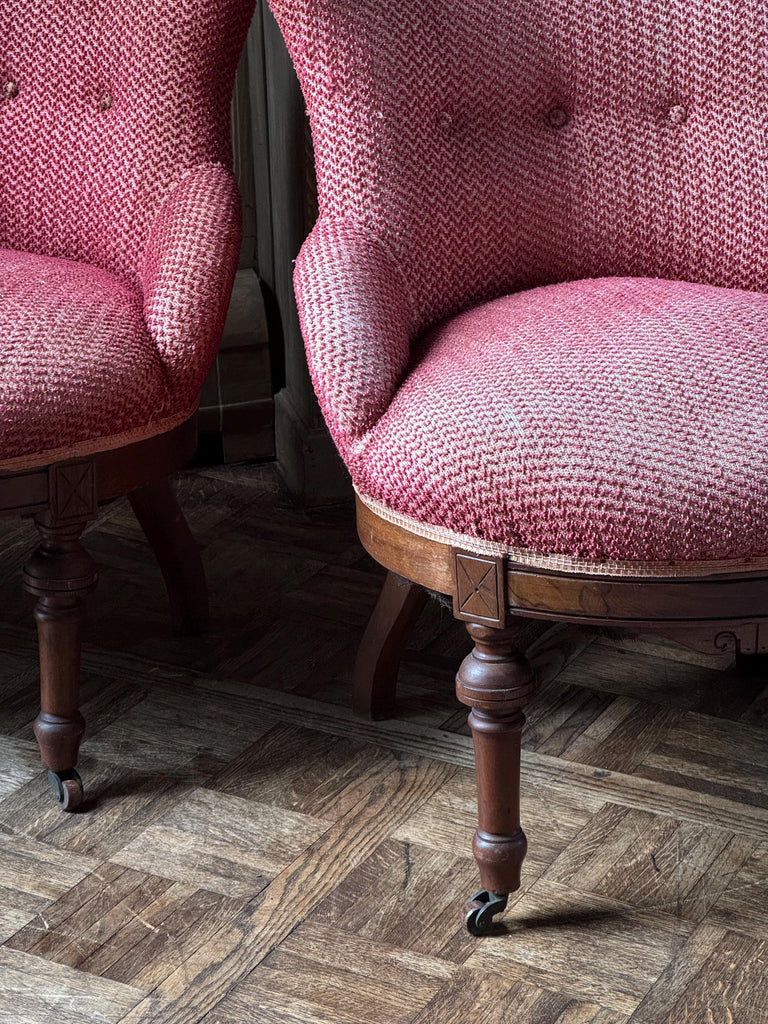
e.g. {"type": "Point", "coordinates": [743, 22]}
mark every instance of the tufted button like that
{"type": "Point", "coordinates": [105, 101]}
{"type": "Point", "coordinates": [11, 90]}
{"type": "Point", "coordinates": [557, 117]}
{"type": "Point", "coordinates": [678, 114]}
{"type": "Point", "coordinates": [444, 121]}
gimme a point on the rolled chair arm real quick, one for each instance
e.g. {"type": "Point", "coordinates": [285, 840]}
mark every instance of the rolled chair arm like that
{"type": "Point", "coordinates": [356, 318]}
{"type": "Point", "coordinates": [187, 272]}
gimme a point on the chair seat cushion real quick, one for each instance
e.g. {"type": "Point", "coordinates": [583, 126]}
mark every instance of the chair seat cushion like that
{"type": "Point", "coordinates": [78, 367]}
{"type": "Point", "coordinates": [597, 421]}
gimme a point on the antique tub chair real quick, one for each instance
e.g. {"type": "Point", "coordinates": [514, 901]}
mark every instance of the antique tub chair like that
{"type": "Point", "coordinates": [119, 238]}
{"type": "Point", "coordinates": [535, 316]}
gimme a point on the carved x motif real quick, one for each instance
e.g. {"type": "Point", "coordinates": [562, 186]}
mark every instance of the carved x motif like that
{"type": "Point", "coordinates": [478, 583]}
{"type": "Point", "coordinates": [73, 491]}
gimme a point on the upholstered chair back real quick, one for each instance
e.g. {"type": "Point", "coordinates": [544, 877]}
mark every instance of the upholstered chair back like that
{"type": "Point", "coordinates": [104, 104]}
{"type": "Point", "coordinates": [491, 145]}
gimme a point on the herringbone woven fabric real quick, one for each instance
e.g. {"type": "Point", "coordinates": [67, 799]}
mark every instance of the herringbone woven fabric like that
{"type": "Point", "coordinates": [467, 151]}
{"type": "Point", "coordinates": [114, 154]}
{"type": "Point", "coordinates": [495, 144]}
{"type": "Point", "coordinates": [103, 376]}
{"type": "Point", "coordinates": [607, 425]}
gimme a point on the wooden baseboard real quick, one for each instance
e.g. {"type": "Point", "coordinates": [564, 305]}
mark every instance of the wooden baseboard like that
{"type": "Point", "coordinates": [307, 458]}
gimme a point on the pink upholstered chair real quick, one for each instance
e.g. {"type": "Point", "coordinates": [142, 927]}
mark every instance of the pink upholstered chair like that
{"type": "Point", "coordinates": [535, 315]}
{"type": "Point", "coordinates": [119, 238]}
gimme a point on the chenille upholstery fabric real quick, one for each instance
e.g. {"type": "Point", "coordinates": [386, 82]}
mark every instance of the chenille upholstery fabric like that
{"type": "Point", "coordinates": [467, 152]}
{"type": "Point", "coordinates": [114, 161]}
{"type": "Point", "coordinates": [104, 376]}
{"type": "Point", "coordinates": [606, 421]}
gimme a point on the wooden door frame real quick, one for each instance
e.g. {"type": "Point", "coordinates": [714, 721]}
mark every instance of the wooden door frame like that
{"type": "Point", "coordinates": [286, 210]}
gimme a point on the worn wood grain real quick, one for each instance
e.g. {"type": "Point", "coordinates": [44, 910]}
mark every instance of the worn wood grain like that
{"type": "Point", "coordinates": [39, 869]}
{"type": "Point", "coordinates": [606, 951]}
{"type": "Point", "coordinates": [60, 933]}
{"type": "Point", "coordinates": [17, 909]}
{"type": "Point", "coordinates": [493, 999]}
{"type": "Point", "coordinates": [210, 972]}
{"type": "Point", "coordinates": [679, 976]}
{"type": "Point", "coordinates": [743, 905]}
{"type": "Point", "coordinates": [37, 990]}
{"type": "Point", "coordinates": [729, 986]}
{"type": "Point", "coordinates": [309, 772]}
{"type": "Point", "coordinates": [222, 843]}
{"type": "Point", "coordinates": [313, 972]}
{"type": "Point", "coordinates": [20, 763]}
{"type": "Point", "coordinates": [253, 850]}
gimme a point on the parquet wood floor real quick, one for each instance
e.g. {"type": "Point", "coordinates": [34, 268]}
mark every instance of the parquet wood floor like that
{"type": "Point", "coordinates": [252, 852]}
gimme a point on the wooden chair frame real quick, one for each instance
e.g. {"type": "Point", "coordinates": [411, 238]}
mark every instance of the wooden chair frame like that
{"type": "Point", "coordinates": [494, 597]}
{"type": "Point", "coordinates": [62, 498]}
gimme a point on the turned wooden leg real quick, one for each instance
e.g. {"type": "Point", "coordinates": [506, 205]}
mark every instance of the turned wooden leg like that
{"type": "Point", "coordinates": [374, 682]}
{"type": "Point", "coordinates": [177, 553]}
{"type": "Point", "coordinates": [60, 573]}
{"type": "Point", "coordinates": [496, 681]}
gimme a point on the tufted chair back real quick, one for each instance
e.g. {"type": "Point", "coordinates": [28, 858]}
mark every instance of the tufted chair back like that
{"type": "Point", "coordinates": [103, 105]}
{"type": "Point", "coordinates": [496, 144]}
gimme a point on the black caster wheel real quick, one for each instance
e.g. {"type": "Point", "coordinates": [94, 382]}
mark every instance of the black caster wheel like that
{"type": "Point", "coordinates": [68, 787]}
{"type": "Point", "coordinates": [480, 911]}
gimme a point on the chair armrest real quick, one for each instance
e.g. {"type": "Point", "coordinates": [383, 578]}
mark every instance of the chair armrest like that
{"type": "Point", "coordinates": [356, 318]}
{"type": "Point", "coordinates": [187, 272]}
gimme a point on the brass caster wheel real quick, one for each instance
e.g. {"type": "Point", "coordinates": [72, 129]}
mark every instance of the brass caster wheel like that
{"type": "Point", "coordinates": [68, 787]}
{"type": "Point", "coordinates": [480, 911]}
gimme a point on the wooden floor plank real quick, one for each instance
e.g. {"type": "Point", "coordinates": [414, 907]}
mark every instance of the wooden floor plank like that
{"type": "Point", "coordinates": [558, 774]}
{"type": "Point", "coordinates": [37, 868]}
{"type": "Point", "coordinates": [587, 947]}
{"type": "Point", "coordinates": [214, 732]}
{"type": "Point", "coordinates": [38, 991]}
{"type": "Point", "coordinates": [404, 894]}
{"type": "Point", "coordinates": [20, 762]}
{"type": "Point", "coordinates": [222, 843]}
{"type": "Point", "coordinates": [61, 933]}
{"type": "Point", "coordinates": [728, 987]}
{"type": "Point", "coordinates": [214, 968]}
{"type": "Point", "coordinates": [306, 771]}
{"type": "Point", "coordinates": [678, 976]}
{"type": "Point", "coordinates": [676, 684]}
{"type": "Point", "coordinates": [18, 909]}
{"type": "Point", "coordinates": [251, 850]}
{"type": "Point", "coordinates": [484, 996]}
{"type": "Point", "coordinates": [652, 862]}
{"type": "Point", "coordinates": [447, 821]}
{"type": "Point", "coordinates": [743, 905]}
{"type": "Point", "coordinates": [385, 992]}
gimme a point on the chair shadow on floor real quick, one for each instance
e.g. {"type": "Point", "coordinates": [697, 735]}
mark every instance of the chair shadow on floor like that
{"type": "Point", "coordinates": [576, 917]}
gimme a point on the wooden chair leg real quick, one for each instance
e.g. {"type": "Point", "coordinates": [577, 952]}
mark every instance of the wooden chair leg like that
{"type": "Point", "coordinates": [60, 573]}
{"type": "Point", "coordinates": [177, 553]}
{"type": "Point", "coordinates": [496, 681]}
{"type": "Point", "coordinates": [374, 683]}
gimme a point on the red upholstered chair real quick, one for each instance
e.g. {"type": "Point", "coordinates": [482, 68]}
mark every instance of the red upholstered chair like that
{"type": "Point", "coordinates": [119, 238]}
{"type": "Point", "coordinates": [536, 317]}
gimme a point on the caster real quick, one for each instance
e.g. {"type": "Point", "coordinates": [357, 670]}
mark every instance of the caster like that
{"type": "Point", "coordinates": [68, 787]}
{"type": "Point", "coordinates": [480, 911]}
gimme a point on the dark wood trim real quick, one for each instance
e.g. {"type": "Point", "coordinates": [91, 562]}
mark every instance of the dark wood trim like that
{"type": "Point", "coordinates": [714, 613]}
{"type": "Point", "coordinates": [496, 681]}
{"type": "Point", "coordinates": [63, 497]}
{"type": "Point", "coordinates": [374, 682]}
{"type": "Point", "coordinates": [286, 205]}
{"type": "Point", "coordinates": [426, 562]}
{"type": "Point", "coordinates": [162, 520]}
{"type": "Point", "coordinates": [709, 613]}
{"type": "Point", "coordinates": [60, 574]}
{"type": "Point", "coordinates": [110, 473]}
{"type": "Point", "coordinates": [479, 593]}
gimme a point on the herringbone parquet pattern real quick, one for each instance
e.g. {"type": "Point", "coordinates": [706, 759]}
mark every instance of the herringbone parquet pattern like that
{"type": "Point", "coordinates": [251, 852]}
